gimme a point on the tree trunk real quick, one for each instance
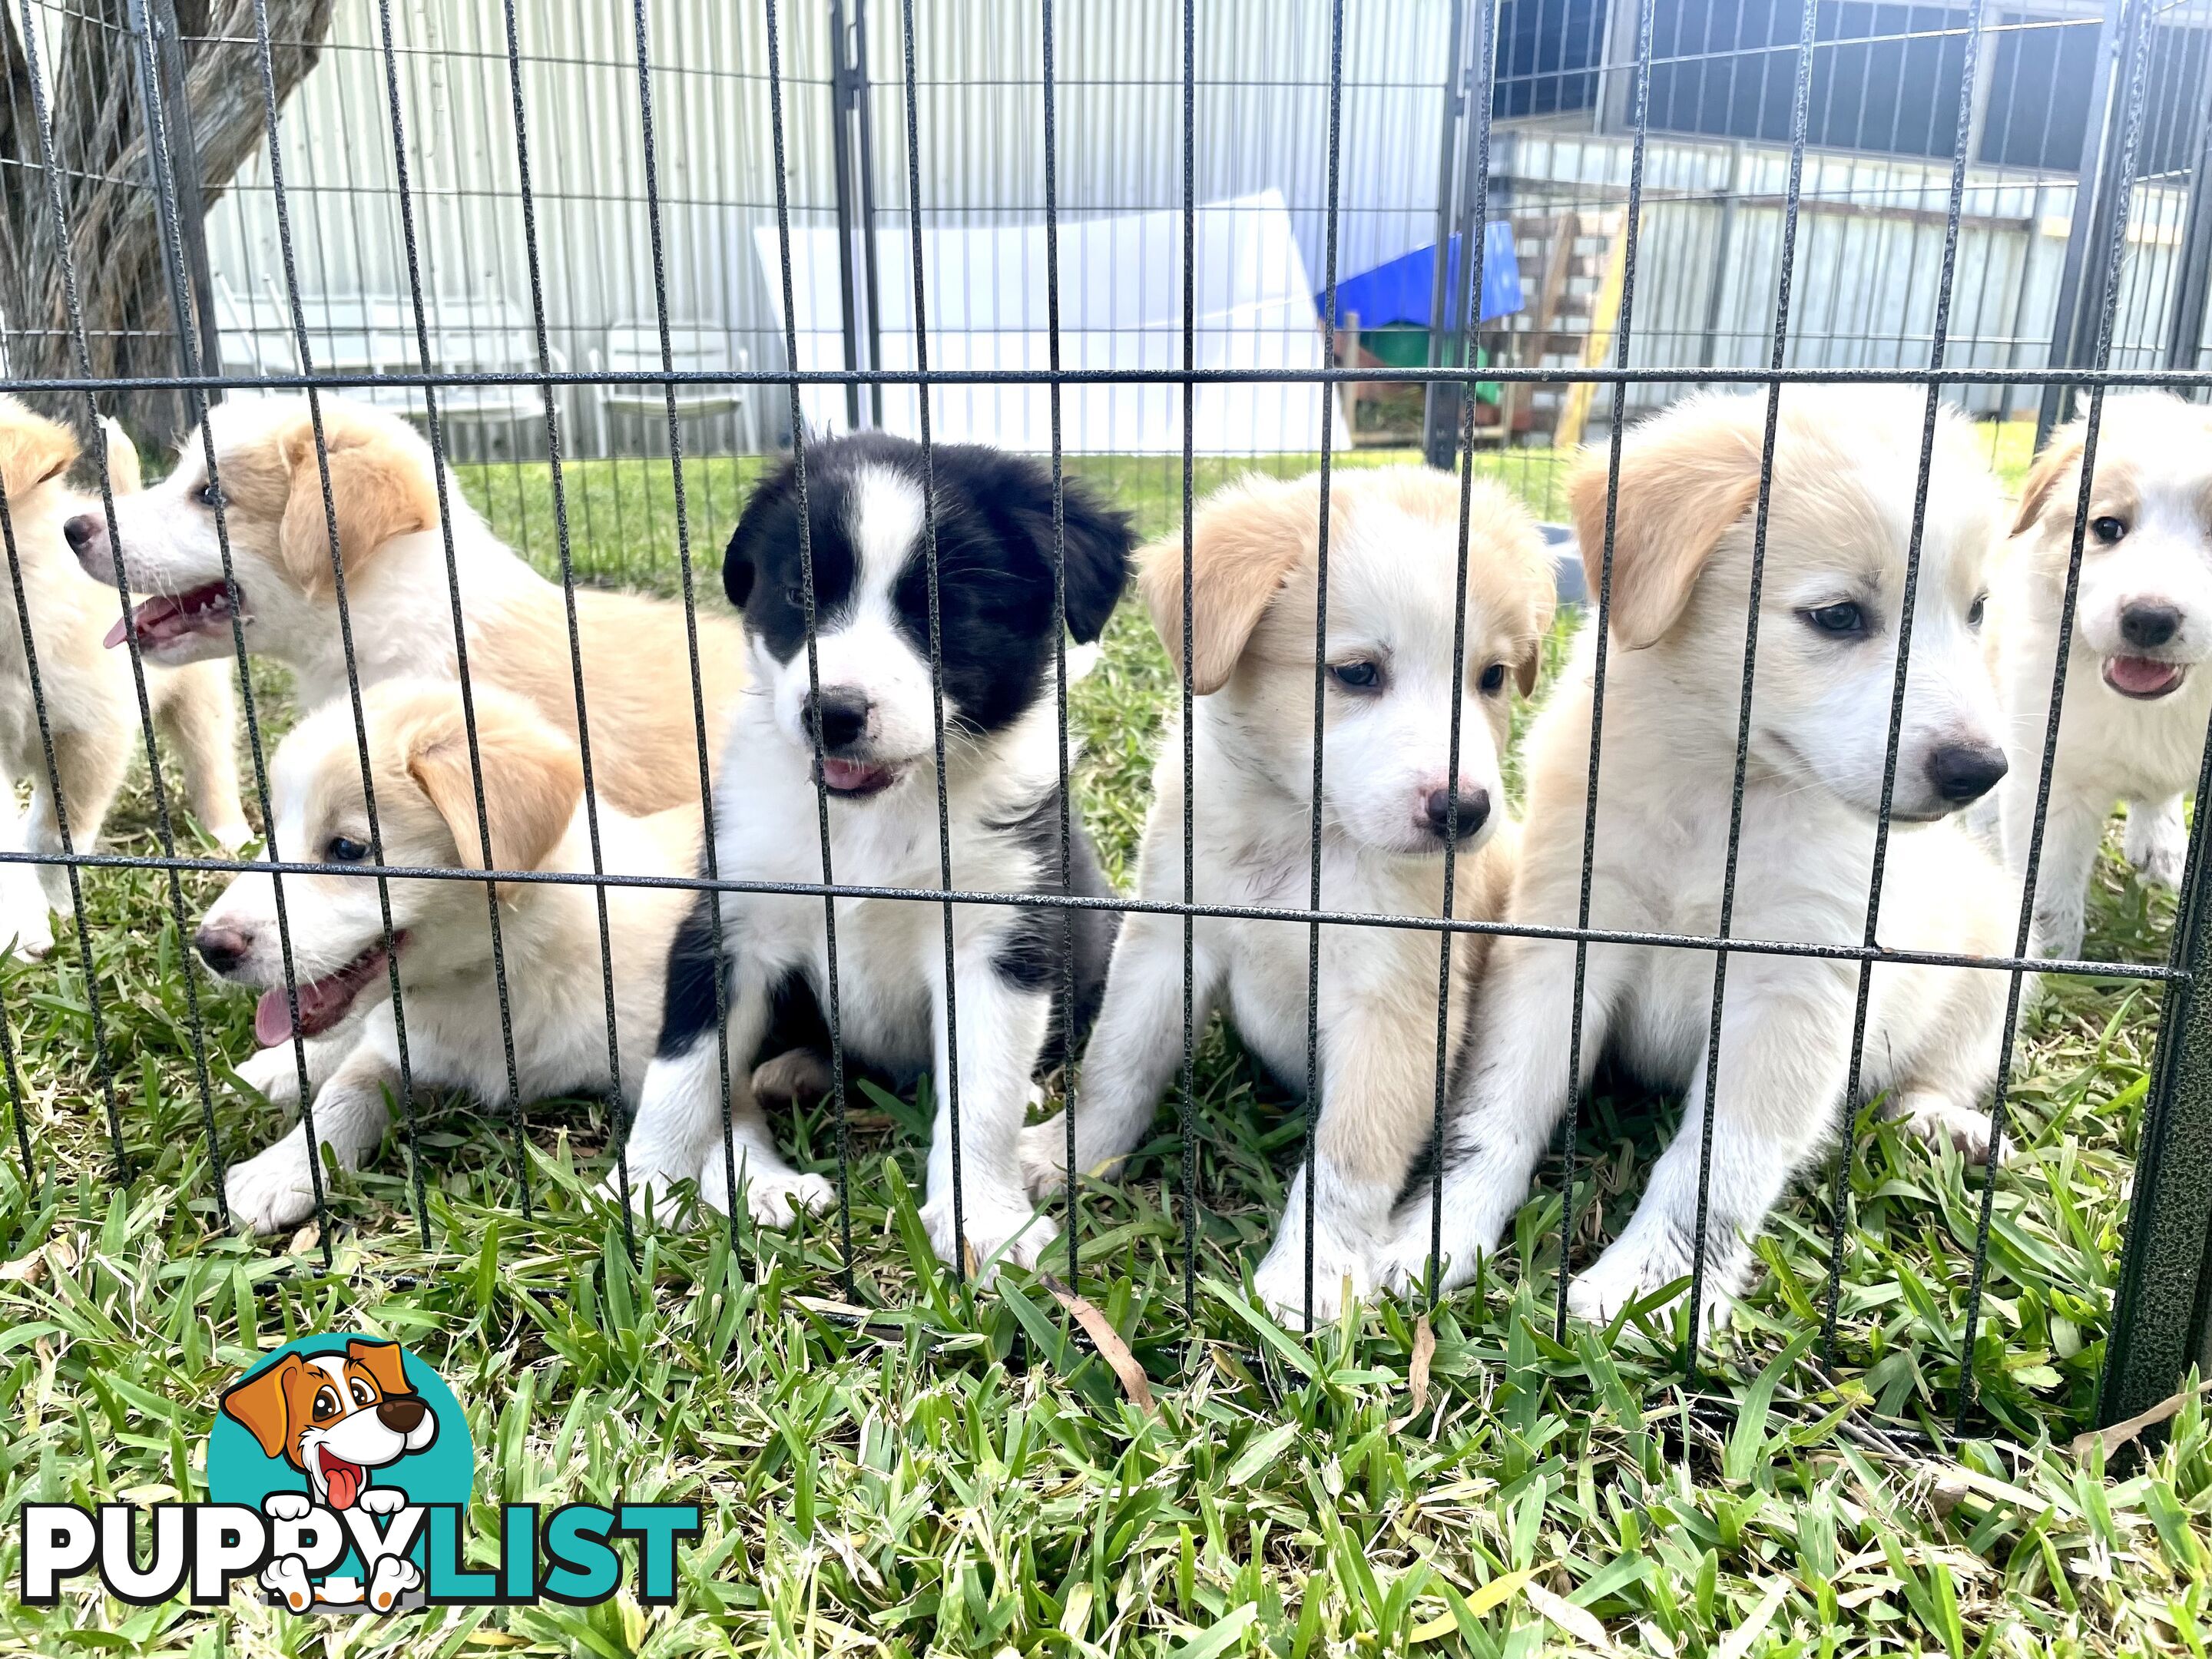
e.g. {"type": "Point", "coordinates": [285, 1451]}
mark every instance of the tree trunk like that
{"type": "Point", "coordinates": [88, 74]}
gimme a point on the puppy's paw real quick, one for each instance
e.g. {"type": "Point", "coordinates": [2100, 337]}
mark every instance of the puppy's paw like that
{"type": "Point", "coordinates": [1935, 1119]}
{"type": "Point", "coordinates": [274, 1190]}
{"type": "Point", "coordinates": [380, 1500]}
{"type": "Point", "coordinates": [774, 1198]}
{"type": "Point", "coordinates": [231, 836]}
{"type": "Point", "coordinates": [287, 1505]}
{"type": "Point", "coordinates": [1001, 1230]}
{"type": "Point", "coordinates": [2057, 935]}
{"type": "Point", "coordinates": [1634, 1269]}
{"type": "Point", "coordinates": [795, 1077]}
{"type": "Point", "coordinates": [273, 1072]}
{"type": "Point", "coordinates": [1342, 1274]}
{"type": "Point", "coordinates": [394, 1574]}
{"type": "Point", "coordinates": [2157, 846]}
{"type": "Point", "coordinates": [30, 931]}
{"type": "Point", "coordinates": [1044, 1158]}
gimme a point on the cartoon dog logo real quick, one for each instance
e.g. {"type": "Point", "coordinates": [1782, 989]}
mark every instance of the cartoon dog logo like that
{"type": "Point", "coordinates": [337, 1419]}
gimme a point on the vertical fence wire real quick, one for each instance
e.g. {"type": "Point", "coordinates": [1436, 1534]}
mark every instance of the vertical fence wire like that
{"type": "Point", "coordinates": [273, 138]}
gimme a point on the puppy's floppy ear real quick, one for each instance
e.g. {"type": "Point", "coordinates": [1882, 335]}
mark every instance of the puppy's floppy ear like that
{"type": "Point", "coordinates": [1099, 542]}
{"type": "Point", "coordinates": [532, 779]}
{"type": "Point", "coordinates": [741, 559]}
{"type": "Point", "coordinates": [124, 477]}
{"type": "Point", "coordinates": [1684, 479]}
{"type": "Point", "coordinates": [383, 1361]}
{"type": "Point", "coordinates": [1245, 540]}
{"type": "Point", "coordinates": [381, 487]}
{"type": "Point", "coordinates": [262, 1405]}
{"type": "Point", "coordinates": [33, 450]}
{"type": "Point", "coordinates": [2060, 458]}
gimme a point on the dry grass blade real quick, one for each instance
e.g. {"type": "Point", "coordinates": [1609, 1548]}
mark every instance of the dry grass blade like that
{"type": "Point", "coordinates": [1108, 1342]}
{"type": "Point", "coordinates": [2120, 1433]}
{"type": "Point", "coordinates": [1417, 1374]}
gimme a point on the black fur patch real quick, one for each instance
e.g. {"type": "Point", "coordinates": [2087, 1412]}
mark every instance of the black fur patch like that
{"type": "Point", "coordinates": [688, 1010]}
{"type": "Point", "coordinates": [996, 549]}
{"type": "Point", "coordinates": [1032, 955]}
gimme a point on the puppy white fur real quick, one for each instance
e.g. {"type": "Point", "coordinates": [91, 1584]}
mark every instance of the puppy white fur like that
{"type": "Point", "coordinates": [1393, 574]}
{"type": "Point", "coordinates": [869, 528]}
{"type": "Point", "coordinates": [2138, 696]}
{"type": "Point", "coordinates": [92, 704]}
{"type": "Point", "coordinates": [426, 808]}
{"type": "Point", "coordinates": [384, 493]}
{"type": "Point", "coordinates": [1837, 532]}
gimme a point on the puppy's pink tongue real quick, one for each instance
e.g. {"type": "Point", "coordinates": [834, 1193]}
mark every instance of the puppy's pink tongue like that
{"type": "Point", "coordinates": [345, 1484]}
{"type": "Point", "coordinates": [272, 1019]}
{"type": "Point", "coordinates": [2140, 675]}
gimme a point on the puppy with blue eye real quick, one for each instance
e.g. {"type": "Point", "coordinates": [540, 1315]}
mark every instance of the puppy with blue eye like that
{"type": "Point", "coordinates": [1390, 805]}
{"type": "Point", "coordinates": [1838, 533]}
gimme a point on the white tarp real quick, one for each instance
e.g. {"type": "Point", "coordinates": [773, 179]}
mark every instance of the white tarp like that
{"type": "Point", "coordinates": [1121, 306]}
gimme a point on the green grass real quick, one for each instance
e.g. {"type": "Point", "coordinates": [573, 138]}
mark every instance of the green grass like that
{"type": "Point", "coordinates": [957, 1473]}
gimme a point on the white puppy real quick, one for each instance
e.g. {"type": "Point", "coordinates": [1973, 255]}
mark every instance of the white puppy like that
{"type": "Point", "coordinates": [2133, 723]}
{"type": "Point", "coordinates": [92, 705]}
{"type": "Point", "coordinates": [1386, 811]}
{"type": "Point", "coordinates": [1837, 532]}
{"type": "Point", "coordinates": [426, 809]}
{"type": "Point", "coordinates": [399, 597]}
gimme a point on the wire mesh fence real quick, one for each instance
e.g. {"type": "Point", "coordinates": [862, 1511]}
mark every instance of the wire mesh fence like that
{"type": "Point", "coordinates": [606, 263]}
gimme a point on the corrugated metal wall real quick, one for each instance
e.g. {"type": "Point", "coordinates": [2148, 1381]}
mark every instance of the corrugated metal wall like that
{"type": "Point", "coordinates": [1869, 250]}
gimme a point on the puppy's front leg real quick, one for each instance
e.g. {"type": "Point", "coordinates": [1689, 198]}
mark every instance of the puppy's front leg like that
{"type": "Point", "coordinates": [1785, 1037]}
{"type": "Point", "coordinates": [1002, 1020]}
{"type": "Point", "coordinates": [24, 914]}
{"type": "Point", "coordinates": [2072, 830]}
{"type": "Point", "coordinates": [275, 1189]}
{"type": "Point", "coordinates": [1134, 1050]}
{"type": "Point", "coordinates": [274, 1073]}
{"type": "Point", "coordinates": [1378, 1097]}
{"type": "Point", "coordinates": [673, 1136]}
{"type": "Point", "coordinates": [2158, 840]}
{"type": "Point", "coordinates": [1515, 1094]}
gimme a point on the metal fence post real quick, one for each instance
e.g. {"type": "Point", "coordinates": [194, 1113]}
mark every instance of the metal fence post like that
{"type": "Point", "coordinates": [1440, 404]}
{"type": "Point", "coordinates": [2159, 1305]}
{"type": "Point", "coordinates": [844, 94]}
{"type": "Point", "coordinates": [2080, 295]}
{"type": "Point", "coordinates": [174, 163]}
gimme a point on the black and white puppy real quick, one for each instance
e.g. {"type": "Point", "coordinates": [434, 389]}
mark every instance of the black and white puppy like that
{"type": "Point", "coordinates": [867, 511]}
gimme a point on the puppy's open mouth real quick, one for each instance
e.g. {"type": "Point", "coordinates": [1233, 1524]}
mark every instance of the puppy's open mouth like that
{"type": "Point", "coordinates": [854, 779]}
{"type": "Point", "coordinates": [2144, 678]}
{"type": "Point", "coordinates": [343, 1479]}
{"type": "Point", "coordinates": [322, 1002]}
{"type": "Point", "coordinates": [162, 619]}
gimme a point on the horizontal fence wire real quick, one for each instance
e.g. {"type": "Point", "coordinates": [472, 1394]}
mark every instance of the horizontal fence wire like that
{"type": "Point", "coordinates": [1694, 146]}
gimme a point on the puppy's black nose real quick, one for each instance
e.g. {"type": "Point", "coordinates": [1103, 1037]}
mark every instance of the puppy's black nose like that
{"type": "Point", "coordinates": [81, 531]}
{"type": "Point", "coordinates": [840, 714]}
{"type": "Point", "coordinates": [2149, 624]}
{"type": "Point", "coordinates": [222, 948]}
{"type": "Point", "coordinates": [402, 1413]}
{"type": "Point", "coordinates": [1474, 812]}
{"type": "Point", "coordinates": [1965, 771]}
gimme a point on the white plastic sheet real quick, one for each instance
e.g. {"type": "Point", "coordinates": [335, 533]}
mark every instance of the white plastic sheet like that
{"type": "Point", "coordinates": [1122, 307]}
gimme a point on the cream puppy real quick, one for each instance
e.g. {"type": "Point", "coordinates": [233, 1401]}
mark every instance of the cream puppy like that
{"type": "Point", "coordinates": [1387, 810]}
{"type": "Point", "coordinates": [426, 807]}
{"type": "Point", "coordinates": [384, 493]}
{"type": "Point", "coordinates": [2137, 705]}
{"type": "Point", "coordinates": [1838, 531]}
{"type": "Point", "coordinates": [92, 704]}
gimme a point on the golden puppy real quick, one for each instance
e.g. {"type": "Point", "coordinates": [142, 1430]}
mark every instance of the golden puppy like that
{"type": "Point", "coordinates": [1840, 523]}
{"type": "Point", "coordinates": [384, 495]}
{"type": "Point", "coordinates": [92, 705]}
{"type": "Point", "coordinates": [426, 806]}
{"type": "Point", "coordinates": [1389, 804]}
{"type": "Point", "coordinates": [2138, 693]}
